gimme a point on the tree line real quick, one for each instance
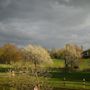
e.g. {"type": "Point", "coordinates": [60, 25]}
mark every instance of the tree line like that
{"type": "Point", "coordinates": [11, 53]}
{"type": "Point", "coordinates": [71, 54]}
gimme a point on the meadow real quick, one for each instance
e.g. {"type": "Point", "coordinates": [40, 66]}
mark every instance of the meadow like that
{"type": "Point", "coordinates": [72, 79]}
{"type": "Point", "coordinates": [59, 78]}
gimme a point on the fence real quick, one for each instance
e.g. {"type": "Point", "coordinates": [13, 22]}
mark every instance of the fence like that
{"type": "Point", "coordinates": [75, 84]}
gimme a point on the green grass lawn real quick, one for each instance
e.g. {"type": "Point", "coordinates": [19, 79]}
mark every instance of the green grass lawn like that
{"type": "Point", "coordinates": [73, 79]}
{"type": "Point", "coordinates": [85, 64]}
{"type": "Point", "coordinates": [58, 63]}
{"type": "Point", "coordinates": [4, 67]}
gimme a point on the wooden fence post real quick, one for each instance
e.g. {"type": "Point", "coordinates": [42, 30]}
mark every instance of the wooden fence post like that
{"type": "Point", "coordinates": [64, 81]}
{"type": "Point", "coordinates": [13, 73]}
{"type": "Point", "coordinates": [84, 82]}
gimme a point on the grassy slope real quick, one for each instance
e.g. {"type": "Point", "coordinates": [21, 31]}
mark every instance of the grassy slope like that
{"type": "Point", "coordinates": [73, 79]}
{"type": "Point", "coordinates": [85, 64]}
{"type": "Point", "coordinates": [58, 63]}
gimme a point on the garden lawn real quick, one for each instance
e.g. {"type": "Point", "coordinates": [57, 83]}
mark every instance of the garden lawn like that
{"type": "Point", "coordinates": [73, 79]}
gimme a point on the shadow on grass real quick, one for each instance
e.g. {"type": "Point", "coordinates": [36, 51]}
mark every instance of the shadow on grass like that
{"type": "Point", "coordinates": [4, 69]}
{"type": "Point", "coordinates": [59, 73]}
{"type": "Point", "coordinates": [68, 89]}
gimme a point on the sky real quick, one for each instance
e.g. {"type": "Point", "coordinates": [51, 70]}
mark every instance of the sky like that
{"type": "Point", "coordinates": [49, 23]}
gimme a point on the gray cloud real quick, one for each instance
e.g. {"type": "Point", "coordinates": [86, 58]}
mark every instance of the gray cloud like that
{"type": "Point", "coordinates": [76, 3]}
{"type": "Point", "coordinates": [51, 23]}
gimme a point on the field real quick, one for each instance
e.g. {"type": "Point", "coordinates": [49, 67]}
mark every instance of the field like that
{"type": "Point", "coordinates": [84, 64]}
{"type": "Point", "coordinates": [72, 79]}
{"type": "Point", "coordinates": [61, 79]}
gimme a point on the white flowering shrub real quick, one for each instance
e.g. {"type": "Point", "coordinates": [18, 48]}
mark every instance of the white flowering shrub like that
{"type": "Point", "coordinates": [72, 56]}
{"type": "Point", "coordinates": [37, 54]}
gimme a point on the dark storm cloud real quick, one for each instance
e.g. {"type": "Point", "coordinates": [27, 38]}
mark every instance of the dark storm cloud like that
{"type": "Point", "coordinates": [51, 23]}
{"type": "Point", "coordinates": [75, 3]}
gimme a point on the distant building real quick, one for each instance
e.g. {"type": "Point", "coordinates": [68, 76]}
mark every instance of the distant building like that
{"type": "Point", "coordinates": [86, 54]}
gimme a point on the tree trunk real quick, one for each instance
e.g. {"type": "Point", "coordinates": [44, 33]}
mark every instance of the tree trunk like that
{"type": "Point", "coordinates": [36, 75]}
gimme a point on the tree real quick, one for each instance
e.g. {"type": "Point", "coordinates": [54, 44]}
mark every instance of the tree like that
{"type": "Point", "coordinates": [72, 56]}
{"type": "Point", "coordinates": [56, 53]}
{"type": "Point", "coordinates": [37, 55]}
{"type": "Point", "coordinates": [9, 53]}
{"type": "Point", "coordinates": [53, 53]}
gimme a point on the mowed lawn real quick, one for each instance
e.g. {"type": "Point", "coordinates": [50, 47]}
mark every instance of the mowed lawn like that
{"type": "Point", "coordinates": [58, 63]}
{"type": "Point", "coordinates": [84, 64]}
{"type": "Point", "coordinates": [72, 79]}
{"type": "Point", "coordinates": [83, 72]}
